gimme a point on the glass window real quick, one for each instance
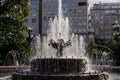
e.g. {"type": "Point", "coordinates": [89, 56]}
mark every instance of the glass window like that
{"type": "Point", "coordinates": [34, 2]}
{"type": "Point", "coordinates": [34, 8]}
{"type": "Point", "coordinates": [84, 30]}
{"type": "Point", "coordinates": [101, 22]}
{"type": "Point", "coordinates": [106, 7]}
{"type": "Point", "coordinates": [107, 11]}
{"type": "Point", "coordinates": [34, 26]}
{"type": "Point", "coordinates": [33, 20]}
{"type": "Point", "coordinates": [45, 24]}
{"type": "Point", "coordinates": [75, 10]}
{"type": "Point", "coordinates": [79, 11]}
{"type": "Point", "coordinates": [33, 14]}
{"type": "Point", "coordinates": [45, 18]}
{"type": "Point", "coordinates": [96, 17]}
{"type": "Point", "coordinates": [102, 7]}
{"type": "Point", "coordinates": [79, 30]}
{"type": "Point", "coordinates": [115, 6]}
{"type": "Point", "coordinates": [75, 17]}
{"type": "Point", "coordinates": [82, 3]}
{"type": "Point", "coordinates": [75, 30]}
{"type": "Point", "coordinates": [80, 24]}
{"type": "Point", "coordinates": [84, 23]}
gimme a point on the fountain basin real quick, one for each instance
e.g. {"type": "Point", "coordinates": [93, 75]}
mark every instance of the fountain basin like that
{"type": "Point", "coordinates": [59, 69]}
{"type": "Point", "coordinates": [83, 76]}
{"type": "Point", "coordinates": [58, 65]}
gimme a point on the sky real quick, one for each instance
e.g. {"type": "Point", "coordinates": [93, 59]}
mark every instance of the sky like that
{"type": "Point", "coordinates": [103, 1]}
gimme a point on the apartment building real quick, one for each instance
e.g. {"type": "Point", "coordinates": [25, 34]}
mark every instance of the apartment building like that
{"type": "Point", "coordinates": [42, 10]}
{"type": "Point", "coordinates": [104, 16]}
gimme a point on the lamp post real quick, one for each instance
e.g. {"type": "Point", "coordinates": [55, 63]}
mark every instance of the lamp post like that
{"type": "Point", "coordinates": [29, 38]}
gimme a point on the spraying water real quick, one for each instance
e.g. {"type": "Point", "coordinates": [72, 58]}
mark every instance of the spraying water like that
{"type": "Point", "coordinates": [59, 29]}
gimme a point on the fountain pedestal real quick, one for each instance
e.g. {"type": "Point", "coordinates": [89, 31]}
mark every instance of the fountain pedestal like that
{"type": "Point", "coordinates": [59, 69]}
{"type": "Point", "coordinates": [61, 77]}
{"type": "Point", "coordinates": [58, 66]}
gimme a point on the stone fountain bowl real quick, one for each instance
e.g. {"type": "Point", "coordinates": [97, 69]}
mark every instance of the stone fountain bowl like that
{"type": "Point", "coordinates": [80, 76]}
{"type": "Point", "coordinates": [58, 65]}
{"type": "Point", "coordinates": [59, 69]}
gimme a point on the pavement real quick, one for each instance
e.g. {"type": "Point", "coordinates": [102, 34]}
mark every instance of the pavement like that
{"type": "Point", "coordinates": [13, 68]}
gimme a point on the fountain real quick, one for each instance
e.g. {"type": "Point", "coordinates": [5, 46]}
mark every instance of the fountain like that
{"type": "Point", "coordinates": [59, 46]}
{"type": "Point", "coordinates": [12, 58]}
{"type": "Point", "coordinates": [59, 56]}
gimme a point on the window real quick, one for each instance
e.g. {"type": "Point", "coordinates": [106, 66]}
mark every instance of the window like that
{"type": "Point", "coordinates": [33, 14]}
{"type": "Point", "coordinates": [84, 23]}
{"type": "Point", "coordinates": [84, 11]}
{"type": "Point", "coordinates": [45, 18]}
{"type": "Point", "coordinates": [82, 3]}
{"type": "Point", "coordinates": [79, 30]}
{"type": "Point", "coordinates": [70, 10]}
{"type": "Point", "coordinates": [33, 20]}
{"type": "Point", "coordinates": [26, 20]}
{"type": "Point", "coordinates": [96, 17]}
{"type": "Point", "coordinates": [72, 4]}
{"type": "Point", "coordinates": [49, 13]}
{"type": "Point", "coordinates": [44, 24]}
{"type": "Point", "coordinates": [101, 17]}
{"type": "Point", "coordinates": [101, 22]}
{"type": "Point", "coordinates": [107, 11]}
{"type": "Point", "coordinates": [80, 11]}
{"type": "Point", "coordinates": [34, 8]}
{"type": "Point", "coordinates": [116, 21]}
{"type": "Point", "coordinates": [49, 18]}
{"type": "Point", "coordinates": [83, 30]}
{"type": "Point", "coordinates": [34, 30]}
{"type": "Point", "coordinates": [75, 10]}
{"type": "Point", "coordinates": [34, 2]}
{"type": "Point", "coordinates": [106, 7]}
{"type": "Point", "coordinates": [75, 17]}
{"type": "Point", "coordinates": [115, 6]}
{"type": "Point", "coordinates": [80, 24]}
{"type": "Point", "coordinates": [75, 30]}
{"type": "Point", "coordinates": [34, 26]}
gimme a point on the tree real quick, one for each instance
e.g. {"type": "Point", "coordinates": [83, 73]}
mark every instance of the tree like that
{"type": "Point", "coordinates": [96, 50]}
{"type": "Point", "coordinates": [114, 45]}
{"type": "Point", "coordinates": [90, 52]}
{"type": "Point", "coordinates": [12, 27]}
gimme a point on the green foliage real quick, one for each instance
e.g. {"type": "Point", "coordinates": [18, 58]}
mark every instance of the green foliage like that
{"type": "Point", "coordinates": [89, 51]}
{"type": "Point", "coordinates": [114, 45]}
{"type": "Point", "coordinates": [111, 44]}
{"type": "Point", "coordinates": [12, 27]}
{"type": "Point", "coordinates": [94, 49]}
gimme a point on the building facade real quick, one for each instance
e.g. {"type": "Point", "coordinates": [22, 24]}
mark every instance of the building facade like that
{"type": "Point", "coordinates": [42, 10]}
{"type": "Point", "coordinates": [33, 20]}
{"type": "Point", "coordinates": [77, 11]}
{"type": "Point", "coordinates": [49, 10]}
{"type": "Point", "coordinates": [104, 16]}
